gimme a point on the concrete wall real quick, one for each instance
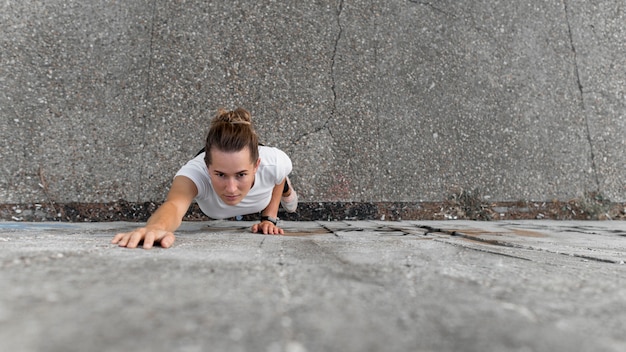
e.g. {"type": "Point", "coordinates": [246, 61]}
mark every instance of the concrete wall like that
{"type": "Point", "coordinates": [392, 100]}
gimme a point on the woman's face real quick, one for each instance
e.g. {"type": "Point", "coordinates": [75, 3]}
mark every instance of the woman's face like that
{"type": "Point", "coordinates": [232, 174]}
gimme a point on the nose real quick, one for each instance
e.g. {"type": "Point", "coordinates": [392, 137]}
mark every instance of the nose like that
{"type": "Point", "coordinates": [231, 186]}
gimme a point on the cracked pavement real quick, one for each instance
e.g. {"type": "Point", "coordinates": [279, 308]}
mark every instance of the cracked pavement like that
{"type": "Point", "coordinates": [346, 285]}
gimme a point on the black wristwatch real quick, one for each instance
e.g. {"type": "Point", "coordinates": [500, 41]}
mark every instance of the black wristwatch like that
{"type": "Point", "coordinates": [270, 219]}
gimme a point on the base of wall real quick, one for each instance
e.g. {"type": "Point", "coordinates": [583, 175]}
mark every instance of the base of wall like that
{"type": "Point", "coordinates": [335, 211]}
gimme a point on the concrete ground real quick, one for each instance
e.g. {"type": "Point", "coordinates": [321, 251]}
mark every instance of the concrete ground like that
{"type": "Point", "coordinates": [326, 286]}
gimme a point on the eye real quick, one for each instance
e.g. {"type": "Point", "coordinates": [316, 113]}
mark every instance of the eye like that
{"type": "Point", "coordinates": [219, 174]}
{"type": "Point", "coordinates": [241, 174]}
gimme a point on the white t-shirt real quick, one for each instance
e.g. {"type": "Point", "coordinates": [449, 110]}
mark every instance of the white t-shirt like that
{"type": "Point", "coordinates": [274, 167]}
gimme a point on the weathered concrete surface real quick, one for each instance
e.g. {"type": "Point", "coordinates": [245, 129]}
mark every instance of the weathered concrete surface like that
{"type": "Point", "coordinates": [374, 100]}
{"type": "Point", "coordinates": [599, 42]}
{"type": "Point", "coordinates": [347, 286]}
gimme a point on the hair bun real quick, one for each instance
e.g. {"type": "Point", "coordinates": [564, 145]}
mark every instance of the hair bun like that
{"type": "Point", "coordinates": [237, 116]}
{"type": "Point", "coordinates": [232, 131]}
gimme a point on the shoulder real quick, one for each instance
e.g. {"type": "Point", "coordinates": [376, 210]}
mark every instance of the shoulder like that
{"type": "Point", "coordinates": [275, 163]}
{"type": "Point", "coordinates": [196, 170]}
{"type": "Point", "coordinates": [196, 164]}
{"type": "Point", "coordinates": [273, 156]}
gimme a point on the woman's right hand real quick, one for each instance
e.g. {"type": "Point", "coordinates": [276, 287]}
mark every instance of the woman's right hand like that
{"type": "Point", "coordinates": [147, 235]}
{"type": "Point", "coordinates": [168, 216]}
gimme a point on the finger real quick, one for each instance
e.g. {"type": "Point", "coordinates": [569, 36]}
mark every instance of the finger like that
{"type": "Point", "coordinates": [123, 241]}
{"type": "Point", "coordinates": [117, 238]}
{"type": "Point", "coordinates": [148, 241]}
{"type": "Point", "coordinates": [168, 240]}
{"type": "Point", "coordinates": [134, 240]}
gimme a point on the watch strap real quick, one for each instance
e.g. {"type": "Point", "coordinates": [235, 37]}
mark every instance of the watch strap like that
{"type": "Point", "coordinates": [270, 219]}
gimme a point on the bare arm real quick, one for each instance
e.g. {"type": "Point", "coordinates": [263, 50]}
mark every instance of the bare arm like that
{"type": "Point", "coordinates": [165, 220]}
{"type": "Point", "coordinates": [267, 227]}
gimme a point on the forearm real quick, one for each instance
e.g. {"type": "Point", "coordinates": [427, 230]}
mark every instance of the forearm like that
{"type": "Point", "coordinates": [272, 208]}
{"type": "Point", "coordinates": [167, 217]}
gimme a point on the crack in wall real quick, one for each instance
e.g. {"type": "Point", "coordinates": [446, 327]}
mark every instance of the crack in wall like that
{"type": "Point", "coordinates": [433, 7]}
{"type": "Point", "coordinates": [333, 60]}
{"type": "Point", "coordinates": [333, 85]}
{"type": "Point", "coordinates": [142, 146]}
{"type": "Point", "coordinates": [582, 96]}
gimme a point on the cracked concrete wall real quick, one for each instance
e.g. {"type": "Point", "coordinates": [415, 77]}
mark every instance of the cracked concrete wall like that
{"type": "Point", "coordinates": [374, 100]}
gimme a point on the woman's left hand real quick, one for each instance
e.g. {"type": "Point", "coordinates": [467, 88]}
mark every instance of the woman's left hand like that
{"type": "Point", "coordinates": [267, 228]}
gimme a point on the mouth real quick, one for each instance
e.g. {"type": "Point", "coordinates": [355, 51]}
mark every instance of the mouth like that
{"type": "Point", "coordinates": [231, 198]}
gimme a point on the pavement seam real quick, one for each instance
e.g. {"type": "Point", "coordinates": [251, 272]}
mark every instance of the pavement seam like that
{"type": "Point", "coordinates": [512, 245]}
{"type": "Point", "coordinates": [483, 250]}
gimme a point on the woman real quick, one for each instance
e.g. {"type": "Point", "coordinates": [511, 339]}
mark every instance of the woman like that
{"type": "Point", "coordinates": [233, 176]}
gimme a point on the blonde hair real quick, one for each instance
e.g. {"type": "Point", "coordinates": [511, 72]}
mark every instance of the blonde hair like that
{"type": "Point", "coordinates": [232, 131]}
